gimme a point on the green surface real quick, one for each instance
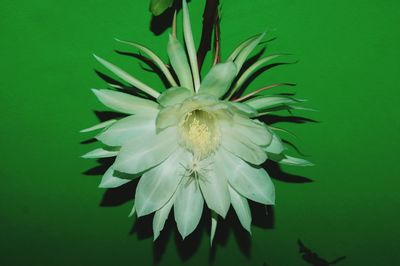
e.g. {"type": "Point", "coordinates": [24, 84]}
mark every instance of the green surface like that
{"type": "Point", "coordinates": [349, 68]}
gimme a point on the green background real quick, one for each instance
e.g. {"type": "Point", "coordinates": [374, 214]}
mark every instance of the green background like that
{"type": "Point", "coordinates": [348, 68]}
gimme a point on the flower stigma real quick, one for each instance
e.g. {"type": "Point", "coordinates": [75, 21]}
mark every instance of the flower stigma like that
{"type": "Point", "coordinates": [199, 133]}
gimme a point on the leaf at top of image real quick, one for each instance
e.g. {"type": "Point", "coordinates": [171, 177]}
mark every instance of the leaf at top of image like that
{"type": "Point", "coordinates": [157, 7]}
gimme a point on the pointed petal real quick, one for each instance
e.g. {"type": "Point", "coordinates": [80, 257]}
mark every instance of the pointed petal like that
{"type": "Point", "coordinates": [110, 181]}
{"type": "Point", "coordinates": [266, 102]}
{"type": "Point", "coordinates": [125, 103]}
{"type": "Point", "coordinates": [187, 33]}
{"type": "Point", "coordinates": [99, 153]}
{"type": "Point", "coordinates": [243, 148]}
{"type": "Point", "coordinates": [104, 124]}
{"type": "Point", "coordinates": [276, 146]}
{"type": "Point", "coordinates": [240, 47]}
{"type": "Point", "coordinates": [161, 216]}
{"type": "Point", "coordinates": [245, 52]}
{"type": "Point", "coordinates": [253, 183]}
{"type": "Point", "coordinates": [174, 96]}
{"type": "Point", "coordinates": [167, 117]}
{"type": "Point", "coordinates": [289, 160]}
{"type": "Point", "coordinates": [246, 74]}
{"type": "Point", "coordinates": [177, 56]}
{"type": "Point", "coordinates": [129, 128]}
{"type": "Point", "coordinates": [244, 109]}
{"type": "Point", "coordinates": [146, 152]}
{"type": "Point", "coordinates": [188, 207]}
{"type": "Point", "coordinates": [219, 79]}
{"type": "Point", "coordinates": [128, 78]}
{"type": "Point", "coordinates": [157, 60]}
{"type": "Point", "coordinates": [214, 222]}
{"type": "Point", "coordinates": [214, 187]}
{"type": "Point", "coordinates": [158, 185]}
{"type": "Point", "coordinates": [242, 209]}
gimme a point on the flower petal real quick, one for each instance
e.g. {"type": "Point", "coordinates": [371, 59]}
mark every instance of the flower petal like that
{"type": "Point", "coordinates": [125, 103]}
{"type": "Point", "coordinates": [174, 95]}
{"type": "Point", "coordinates": [240, 47]}
{"type": "Point", "coordinates": [289, 160]}
{"type": "Point", "coordinates": [245, 52]}
{"type": "Point", "coordinates": [167, 117]}
{"type": "Point", "coordinates": [266, 102]}
{"type": "Point", "coordinates": [187, 34]}
{"type": "Point", "coordinates": [129, 128]}
{"type": "Point", "coordinates": [242, 209]}
{"type": "Point", "coordinates": [188, 207]}
{"type": "Point", "coordinates": [219, 79]}
{"type": "Point", "coordinates": [128, 78]}
{"type": "Point", "coordinates": [146, 152]}
{"type": "Point", "coordinates": [214, 187]}
{"type": "Point", "coordinates": [161, 216]}
{"type": "Point", "coordinates": [177, 56]}
{"type": "Point", "coordinates": [157, 185]}
{"type": "Point", "coordinates": [104, 124]}
{"type": "Point", "coordinates": [99, 153]}
{"type": "Point", "coordinates": [111, 181]}
{"type": "Point", "coordinates": [243, 148]}
{"type": "Point", "coordinates": [244, 109]}
{"type": "Point", "coordinates": [253, 183]}
{"type": "Point", "coordinates": [276, 146]}
{"type": "Point", "coordinates": [214, 223]}
{"type": "Point", "coordinates": [155, 59]}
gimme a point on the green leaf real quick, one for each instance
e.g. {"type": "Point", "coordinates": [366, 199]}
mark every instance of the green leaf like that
{"type": "Point", "coordinates": [179, 62]}
{"type": "Point", "coordinates": [128, 78]}
{"type": "Point", "coordinates": [175, 95]}
{"type": "Point", "coordinates": [125, 103]}
{"type": "Point", "coordinates": [155, 59]}
{"type": "Point", "coordinates": [218, 80]}
{"type": "Point", "coordinates": [157, 7]}
{"type": "Point", "coordinates": [188, 36]}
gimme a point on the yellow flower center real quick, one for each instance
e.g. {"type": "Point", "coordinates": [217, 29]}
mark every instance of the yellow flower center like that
{"type": "Point", "coordinates": [199, 133]}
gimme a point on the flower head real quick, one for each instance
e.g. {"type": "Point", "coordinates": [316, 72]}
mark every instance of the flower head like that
{"type": "Point", "coordinates": [194, 142]}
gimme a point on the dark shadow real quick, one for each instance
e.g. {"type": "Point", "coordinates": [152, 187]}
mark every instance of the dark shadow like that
{"type": "Point", "coordinates": [161, 23]}
{"type": "Point", "coordinates": [88, 141]}
{"type": "Point", "coordinates": [273, 119]}
{"type": "Point", "coordinates": [101, 168]}
{"type": "Point", "coordinates": [313, 258]}
{"type": "Point", "coordinates": [275, 172]}
{"type": "Point", "coordinates": [108, 115]}
{"type": "Point", "coordinates": [108, 79]}
{"type": "Point", "coordinates": [120, 195]}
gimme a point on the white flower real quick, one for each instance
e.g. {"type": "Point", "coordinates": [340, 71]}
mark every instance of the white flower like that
{"type": "Point", "coordinates": [192, 143]}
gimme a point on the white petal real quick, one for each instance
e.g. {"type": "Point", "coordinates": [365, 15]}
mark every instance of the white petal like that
{"type": "Point", "coordinates": [245, 52]}
{"type": "Point", "coordinates": [214, 223]}
{"type": "Point", "coordinates": [242, 208]}
{"type": "Point", "coordinates": [214, 187]}
{"type": "Point", "coordinates": [174, 96]}
{"type": "Point", "coordinates": [244, 148]}
{"type": "Point", "coordinates": [167, 117]}
{"type": "Point", "coordinates": [253, 183]}
{"type": "Point", "coordinates": [104, 124]}
{"type": "Point", "coordinates": [219, 79]}
{"type": "Point", "coordinates": [266, 102]}
{"type": "Point", "coordinates": [99, 153]}
{"type": "Point", "coordinates": [255, 131]}
{"type": "Point", "coordinates": [289, 160]}
{"type": "Point", "coordinates": [187, 34]}
{"type": "Point", "coordinates": [161, 216]}
{"type": "Point", "coordinates": [129, 128]}
{"type": "Point", "coordinates": [188, 207]}
{"type": "Point", "coordinates": [155, 58]}
{"type": "Point", "coordinates": [146, 152]}
{"type": "Point", "coordinates": [240, 47]}
{"type": "Point", "coordinates": [158, 185]}
{"type": "Point", "coordinates": [110, 181]}
{"type": "Point", "coordinates": [244, 109]}
{"type": "Point", "coordinates": [128, 78]}
{"type": "Point", "coordinates": [125, 103]}
{"type": "Point", "coordinates": [276, 146]}
{"type": "Point", "coordinates": [177, 56]}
